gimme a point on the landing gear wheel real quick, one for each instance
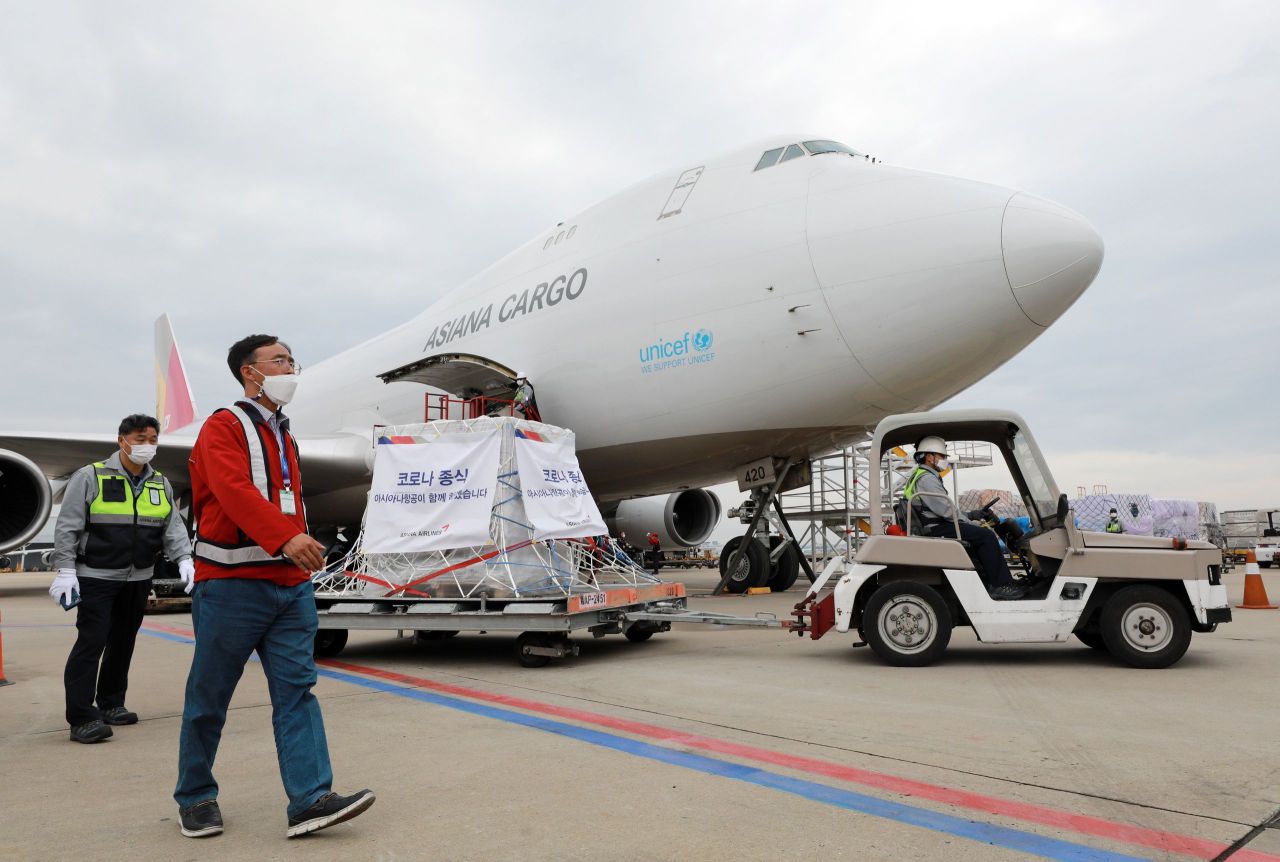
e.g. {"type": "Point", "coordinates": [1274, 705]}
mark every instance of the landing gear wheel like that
{"type": "Point", "coordinates": [1092, 638]}
{"type": "Point", "coordinates": [532, 639]}
{"type": "Point", "coordinates": [1145, 627]}
{"type": "Point", "coordinates": [787, 569]}
{"type": "Point", "coordinates": [329, 642]}
{"type": "Point", "coordinates": [752, 569]}
{"type": "Point", "coordinates": [907, 624]}
{"type": "Point", "coordinates": [637, 635]}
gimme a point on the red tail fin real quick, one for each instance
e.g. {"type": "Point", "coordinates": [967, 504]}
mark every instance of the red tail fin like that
{"type": "Point", "coordinates": [175, 408]}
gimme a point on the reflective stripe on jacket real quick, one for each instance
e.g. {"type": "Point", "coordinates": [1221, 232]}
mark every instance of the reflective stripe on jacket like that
{"type": "Point", "coordinates": [236, 479]}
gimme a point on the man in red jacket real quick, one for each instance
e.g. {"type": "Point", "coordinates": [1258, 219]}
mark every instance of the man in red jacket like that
{"type": "Point", "coordinates": [253, 593]}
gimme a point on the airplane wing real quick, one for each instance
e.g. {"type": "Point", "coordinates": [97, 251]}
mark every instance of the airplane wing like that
{"type": "Point", "coordinates": [34, 466]}
{"type": "Point", "coordinates": [330, 461]}
{"type": "Point", "coordinates": [59, 455]}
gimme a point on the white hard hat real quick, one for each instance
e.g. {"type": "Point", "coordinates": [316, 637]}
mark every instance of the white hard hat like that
{"type": "Point", "coordinates": [934, 445]}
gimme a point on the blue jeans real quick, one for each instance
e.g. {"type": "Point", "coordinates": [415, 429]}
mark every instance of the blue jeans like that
{"type": "Point", "coordinates": [232, 618]}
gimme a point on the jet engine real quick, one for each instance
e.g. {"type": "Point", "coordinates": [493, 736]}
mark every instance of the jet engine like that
{"type": "Point", "coordinates": [681, 520]}
{"type": "Point", "coordinates": [25, 500]}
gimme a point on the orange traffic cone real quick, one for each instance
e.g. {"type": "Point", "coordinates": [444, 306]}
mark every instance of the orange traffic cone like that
{"type": "Point", "coordinates": [1255, 592]}
{"type": "Point", "coordinates": [3, 681]}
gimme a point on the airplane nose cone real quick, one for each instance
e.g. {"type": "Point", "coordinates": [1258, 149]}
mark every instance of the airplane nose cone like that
{"type": "Point", "coordinates": [1051, 255]}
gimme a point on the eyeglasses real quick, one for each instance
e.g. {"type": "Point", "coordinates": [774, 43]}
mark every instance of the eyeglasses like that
{"type": "Point", "coordinates": [280, 363]}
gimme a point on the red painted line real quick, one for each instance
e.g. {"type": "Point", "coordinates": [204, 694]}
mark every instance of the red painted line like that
{"type": "Point", "coordinates": [173, 630]}
{"type": "Point", "coordinates": [1169, 842]}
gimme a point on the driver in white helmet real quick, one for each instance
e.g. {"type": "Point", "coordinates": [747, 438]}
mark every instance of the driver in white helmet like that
{"type": "Point", "coordinates": [930, 503]}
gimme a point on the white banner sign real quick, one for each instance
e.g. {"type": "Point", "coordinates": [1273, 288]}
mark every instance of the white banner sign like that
{"type": "Point", "coordinates": [432, 496]}
{"type": "Point", "coordinates": [556, 499]}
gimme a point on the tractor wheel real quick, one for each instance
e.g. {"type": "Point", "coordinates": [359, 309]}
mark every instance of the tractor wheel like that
{"type": "Point", "coordinates": [1145, 627]}
{"type": "Point", "coordinates": [907, 624]}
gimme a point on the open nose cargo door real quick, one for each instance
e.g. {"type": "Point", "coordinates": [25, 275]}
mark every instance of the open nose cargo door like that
{"type": "Point", "coordinates": [473, 385]}
{"type": "Point", "coordinates": [462, 375]}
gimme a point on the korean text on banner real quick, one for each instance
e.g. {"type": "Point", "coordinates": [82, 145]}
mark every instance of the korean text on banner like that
{"type": "Point", "coordinates": [556, 499]}
{"type": "Point", "coordinates": [432, 496]}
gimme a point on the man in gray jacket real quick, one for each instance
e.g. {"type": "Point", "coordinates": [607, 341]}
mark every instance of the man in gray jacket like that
{"type": "Point", "coordinates": [116, 514]}
{"type": "Point", "coordinates": [932, 509]}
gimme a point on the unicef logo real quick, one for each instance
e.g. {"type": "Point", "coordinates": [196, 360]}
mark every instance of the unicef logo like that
{"type": "Point", "coordinates": [702, 340]}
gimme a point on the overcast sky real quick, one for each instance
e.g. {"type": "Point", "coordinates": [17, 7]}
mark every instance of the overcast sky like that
{"type": "Point", "coordinates": [327, 170]}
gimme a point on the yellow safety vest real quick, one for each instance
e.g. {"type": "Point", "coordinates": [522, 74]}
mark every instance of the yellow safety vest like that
{"type": "Point", "coordinates": [125, 530]}
{"type": "Point", "coordinates": [910, 490]}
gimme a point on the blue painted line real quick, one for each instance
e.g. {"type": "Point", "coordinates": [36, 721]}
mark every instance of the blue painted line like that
{"type": "Point", "coordinates": [984, 833]}
{"type": "Point", "coordinates": [169, 637]}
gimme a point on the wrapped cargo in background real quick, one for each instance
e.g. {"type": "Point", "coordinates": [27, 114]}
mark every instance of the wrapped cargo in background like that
{"type": "Point", "coordinates": [1175, 519]}
{"type": "Point", "coordinates": [1094, 510]}
{"type": "Point", "coordinates": [1010, 505]}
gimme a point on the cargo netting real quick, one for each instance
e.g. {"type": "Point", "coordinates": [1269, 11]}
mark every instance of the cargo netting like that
{"type": "Point", "coordinates": [512, 565]}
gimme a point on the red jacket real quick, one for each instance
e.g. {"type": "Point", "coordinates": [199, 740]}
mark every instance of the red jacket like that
{"type": "Point", "coordinates": [230, 513]}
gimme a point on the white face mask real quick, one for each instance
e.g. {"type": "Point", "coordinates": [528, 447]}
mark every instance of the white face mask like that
{"type": "Point", "coordinates": [280, 387]}
{"type": "Point", "coordinates": [142, 453]}
{"type": "Point", "coordinates": [942, 464]}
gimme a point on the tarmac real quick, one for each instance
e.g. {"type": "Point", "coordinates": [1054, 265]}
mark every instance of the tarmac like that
{"type": "Point", "coordinates": [699, 744]}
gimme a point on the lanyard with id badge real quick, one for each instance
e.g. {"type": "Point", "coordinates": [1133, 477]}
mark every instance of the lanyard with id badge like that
{"type": "Point", "coordinates": [288, 502]}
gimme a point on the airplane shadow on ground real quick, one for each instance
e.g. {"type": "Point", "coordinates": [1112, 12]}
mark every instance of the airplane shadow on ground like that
{"type": "Point", "coordinates": [470, 651]}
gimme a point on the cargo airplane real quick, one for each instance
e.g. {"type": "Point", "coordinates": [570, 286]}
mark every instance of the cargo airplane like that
{"type": "Point", "coordinates": [778, 300]}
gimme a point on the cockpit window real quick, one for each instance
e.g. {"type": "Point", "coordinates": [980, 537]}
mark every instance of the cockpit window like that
{"type": "Point", "coordinates": [792, 152]}
{"type": "Point", "coordinates": [819, 147]}
{"type": "Point", "coordinates": [813, 148]}
{"type": "Point", "coordinates": [769, 159]}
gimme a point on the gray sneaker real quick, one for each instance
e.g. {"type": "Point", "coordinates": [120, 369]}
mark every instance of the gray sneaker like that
{"type": "Point", "coordinates": [200, 820]}
{"type": "Point", "coordinates": [329, 810]}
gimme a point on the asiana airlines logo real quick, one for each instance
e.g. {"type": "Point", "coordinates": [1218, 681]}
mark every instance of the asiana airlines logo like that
{"type": "Point", "coordinates": [692, 349]}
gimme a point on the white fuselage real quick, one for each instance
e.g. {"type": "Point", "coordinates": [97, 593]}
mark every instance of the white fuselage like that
{"type": "Point", "coordinates": [777, 312]}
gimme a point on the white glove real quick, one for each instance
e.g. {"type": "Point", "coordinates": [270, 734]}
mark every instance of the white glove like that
{"type": "Point", "coordinates": [63, 583]}
{"type": "Point", "coordinates": [187, 571]}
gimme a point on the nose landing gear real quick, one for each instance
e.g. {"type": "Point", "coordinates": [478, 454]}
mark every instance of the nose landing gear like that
{"type": "Point", "coordinates": [758, 559]}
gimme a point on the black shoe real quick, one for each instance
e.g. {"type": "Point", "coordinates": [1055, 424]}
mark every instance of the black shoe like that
{"type": "Point", "coordinates": [90, 731]}
{"type": "Point", "coordinates": [200, 820]}
{"type": "Point", "coordinates": [329, 810]}
{"type": "Point", "coordinates": [119, 715]}
{"type": "Point", "coordinates": [1007, 592]}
